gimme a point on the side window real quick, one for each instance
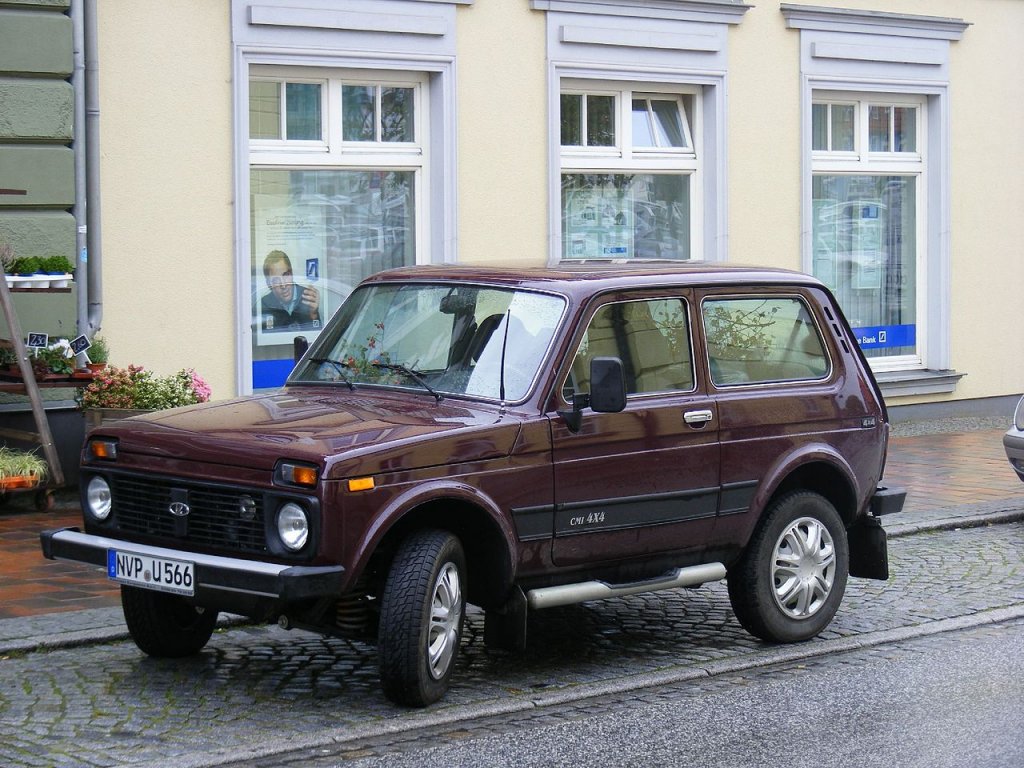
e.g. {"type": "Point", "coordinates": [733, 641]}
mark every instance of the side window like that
{"type": "Point", "coordinates": [762, 339]}
{"type": "Point", "coordinates": [652, 338]}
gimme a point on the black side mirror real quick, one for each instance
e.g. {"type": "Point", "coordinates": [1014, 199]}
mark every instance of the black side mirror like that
{"type": "Point", "coordinates": [607, 385]}
{"type": "Point", "coordinates": [607, 392]}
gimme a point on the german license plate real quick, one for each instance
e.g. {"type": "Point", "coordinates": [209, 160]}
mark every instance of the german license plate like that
{"type": "Point", "coordinates": [148, 572]}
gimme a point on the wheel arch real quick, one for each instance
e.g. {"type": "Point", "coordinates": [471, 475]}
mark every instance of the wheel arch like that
{"type": "Point", "coordinates": [488, 543]}
{"type": "Point", "coordinates": [821, 470]}
{"type": "Point", "coordinates": [825, 479]}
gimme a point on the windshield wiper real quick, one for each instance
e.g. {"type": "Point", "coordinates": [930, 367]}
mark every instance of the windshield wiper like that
{"type": "Point", "coordinates": [338, 366]}
{"type": "Point", "coordinates": [414, 375]}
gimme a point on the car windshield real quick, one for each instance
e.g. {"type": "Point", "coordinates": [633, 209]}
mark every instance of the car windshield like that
{"type": "Point", "coordinates": [445, 339]}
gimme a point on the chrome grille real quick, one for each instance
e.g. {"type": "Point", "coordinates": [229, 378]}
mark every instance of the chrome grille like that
{"type": "Point", "coordinates": [215, 516]}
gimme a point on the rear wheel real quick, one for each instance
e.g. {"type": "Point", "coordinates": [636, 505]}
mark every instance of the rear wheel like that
{"type": "Point", "coordinates": [166, 626]}
{"type": "Point", "coordinates": [788, 585]}
{"type": "Point", "coordinates": [421, 618]}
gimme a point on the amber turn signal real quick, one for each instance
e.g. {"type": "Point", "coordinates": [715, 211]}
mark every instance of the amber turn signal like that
{"type": "Point", "coordinates": [361, 484]}
{"type": "Point", "coordinates": [103, 449]}
{"type": "Point", "coordinates": [297, 474]}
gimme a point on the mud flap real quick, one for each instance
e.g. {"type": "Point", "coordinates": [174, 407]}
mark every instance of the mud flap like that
{"type": "Point", "coordinates": [869, 549]}
{"type": "Point", "coordinates": [506, 628]}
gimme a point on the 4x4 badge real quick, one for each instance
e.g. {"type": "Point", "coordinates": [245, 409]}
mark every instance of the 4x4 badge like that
{"type": "Point", "coordinates": [179, 509]}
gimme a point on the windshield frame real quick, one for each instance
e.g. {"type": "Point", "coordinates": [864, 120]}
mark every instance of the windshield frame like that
{"type": "Point", "coordinates": [326, 340]}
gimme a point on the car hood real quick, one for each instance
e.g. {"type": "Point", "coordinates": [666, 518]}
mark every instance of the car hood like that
{"type": "Point", "coordinates": [343, 433]}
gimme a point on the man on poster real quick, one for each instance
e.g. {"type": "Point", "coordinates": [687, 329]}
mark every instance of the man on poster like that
{"type": "Point", "coordinates": [288, 305]}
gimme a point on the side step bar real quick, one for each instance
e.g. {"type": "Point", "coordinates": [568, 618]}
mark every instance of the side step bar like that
{"type": "Point", "coordinates": [568, 594]}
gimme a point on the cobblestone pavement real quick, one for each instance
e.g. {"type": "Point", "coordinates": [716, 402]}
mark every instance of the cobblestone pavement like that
{"type": "Point", "coordinates": [259, 690]}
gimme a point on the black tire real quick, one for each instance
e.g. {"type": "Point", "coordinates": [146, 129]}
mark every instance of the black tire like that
{"type": "Point", "coordinates": [421, 617]}
{"type": "Point", "coordinates": [166, 626]}
{"type": "Point", "coordinates": [788, 584]}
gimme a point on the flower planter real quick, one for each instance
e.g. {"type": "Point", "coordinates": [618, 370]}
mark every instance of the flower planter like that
{"type": "Point", "coordinates": [59, 279]}
{"type": "Point", "coordinates": [18, 281]}
{"type": "Point", "coordinates": [18, 482]}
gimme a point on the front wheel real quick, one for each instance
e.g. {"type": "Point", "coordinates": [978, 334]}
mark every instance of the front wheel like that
{"type": "Point", "coordinates": [792, 576]}
{"type": "Point", "coordinates": [166, 626]}
{"type": "Point", "coordinates": [421, 618]}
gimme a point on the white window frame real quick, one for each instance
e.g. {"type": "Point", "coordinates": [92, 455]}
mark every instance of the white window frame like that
{"type": "Point", "coordinates": [395, 41]}
{"type": "Point", "coordinates": [282, 81]}
{"type": "Point", "coordinates": [333, 151]}
{"type": "Point", "coordinates": [663, 46]}
{"type": "Point", "coordinates": [864, 162]}
{"type": "Point", "coordinates": [624, 158]}
{"type": "Point", "coordinates": [891, 56]}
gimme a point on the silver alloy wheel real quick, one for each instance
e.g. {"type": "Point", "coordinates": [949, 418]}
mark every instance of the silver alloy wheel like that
{"type": "Point", "coordinates": [445, 619]}
{"type": "Point", "coordinates": [803, 568]}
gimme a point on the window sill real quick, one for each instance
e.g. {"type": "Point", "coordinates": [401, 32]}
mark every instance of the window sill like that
{"type": "Point", "coordinates": [917, 382]}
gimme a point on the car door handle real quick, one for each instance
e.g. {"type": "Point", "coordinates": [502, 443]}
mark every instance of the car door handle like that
{"type": "Point", "coordinates": [697, 418]}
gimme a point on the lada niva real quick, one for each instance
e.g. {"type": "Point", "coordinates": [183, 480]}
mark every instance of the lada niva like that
{"type": "Point", "coordinates": [515, 439]}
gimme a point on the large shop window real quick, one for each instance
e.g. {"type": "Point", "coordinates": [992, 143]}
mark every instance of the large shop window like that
{"type": "Point", "coordinates": [336, 171]}
{"type": "Point", "coordinates": [867, 209]}
{"type": "Point", "coordinates": [628, 170]}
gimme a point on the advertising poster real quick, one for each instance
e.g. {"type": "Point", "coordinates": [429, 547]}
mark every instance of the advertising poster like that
{"type": "Point", "coordinates": [598, 224]}
{"type": "Point", "coordinates": [288, 268]}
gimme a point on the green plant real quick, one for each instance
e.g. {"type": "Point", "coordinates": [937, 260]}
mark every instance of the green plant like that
{"type": "Point", "coordinates": [365, 360]}
{"type": "Point", "coordinates": [56, 264]}
{"type": "Point", "coordinates": [99, 350]}
{"type": "Point", "coordinates": [8, 356]}
{"type": "Point", "coordinates": [21, 464]}
{"type": "Point", "coordinates": [26, 265]}
{"type": "Point", "coordinates": [53, 359]}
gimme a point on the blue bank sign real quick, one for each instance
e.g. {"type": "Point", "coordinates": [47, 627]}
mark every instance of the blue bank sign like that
{"type": "Point", "coordinates": [886, 336]}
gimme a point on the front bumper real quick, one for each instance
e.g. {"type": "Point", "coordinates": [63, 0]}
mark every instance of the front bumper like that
{"type": "Point", "coordinates": [217, 578]}
{"type": "Point", "coordinates": [1013, 442]}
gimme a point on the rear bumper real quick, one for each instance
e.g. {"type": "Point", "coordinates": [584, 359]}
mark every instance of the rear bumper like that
{"type": "Point", "coordinates": [217, 578]}
{"type": "Point", "coordinates": [887, 501]}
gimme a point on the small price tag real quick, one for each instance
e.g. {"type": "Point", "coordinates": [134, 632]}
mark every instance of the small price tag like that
{"type": "Point", "coordinates": [37, 340]}
{"type": "Point", "coordinates": [80, 344]}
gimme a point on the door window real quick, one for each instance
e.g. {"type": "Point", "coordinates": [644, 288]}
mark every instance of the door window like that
{"type": "Point", "coordinates": [651, 337]}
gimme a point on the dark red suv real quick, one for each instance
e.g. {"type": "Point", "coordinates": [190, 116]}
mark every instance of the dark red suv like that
{"type": "Point", "coordinates": [517, 439]}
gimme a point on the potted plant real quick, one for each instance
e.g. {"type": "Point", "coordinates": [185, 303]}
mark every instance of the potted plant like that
{"type": "Point", "coordinates": [20, 469]}
{"type": "Point", "coordinates": [30, 269]}
{"type": "Point", "coordinates": [8, 358]}
{"type": "Point", "coordinates": [54, 362]}
{"type": "Point", "coordinates": [98, 354]}
{"type": "Point", "coordinates": [59, 268]}
{"type": "Point", "coordinates": [117, 393]}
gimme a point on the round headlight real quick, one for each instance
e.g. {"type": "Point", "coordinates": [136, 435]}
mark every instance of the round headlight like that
{"type": "Point", "coordinates": [97, 494]}
{"type": "Point", "coordinates": [292, 526]}
{"type": "Point", "coordinates": [1018, 416]}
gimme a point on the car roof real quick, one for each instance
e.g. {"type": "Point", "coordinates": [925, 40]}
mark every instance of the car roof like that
{"type": "Point", "coordinates": [594, 276]}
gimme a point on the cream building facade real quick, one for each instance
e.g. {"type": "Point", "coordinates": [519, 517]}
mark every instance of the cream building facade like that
{"type": "Point", "coordinates": [868, 143]}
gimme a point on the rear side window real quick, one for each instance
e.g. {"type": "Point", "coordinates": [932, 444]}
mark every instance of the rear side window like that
{"type": "Point", "coordinates": [651, 337]}
{"type": "Point", "coordinates": [754, 340]}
